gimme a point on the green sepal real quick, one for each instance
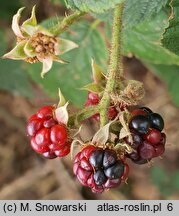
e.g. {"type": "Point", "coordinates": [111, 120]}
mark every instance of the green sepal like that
{"type": "Point", "coordinates": [29, 25]}
{"type": "Point", "coordinates": [17, 53]}
{"type": "Point", "coordinates": [62, 100]}
{"type": "Point", "coordinates": [29, 50]}
{"type": "Point", "coordinates": [46, 65]}
{"type": "Point", "coordinates": [93, 87]}
{"type": "Point", "coordinates": [102, 135]}
{"type": "Point", "coordinates": [43, 30]}
{"type": "Point", "coordinates": [98, 75]}
{"type": "Point", "coordinates": [32, 20]}
{"type": "Point", "coordinates": [65, 45]}
{"type": "Point", "coordinates": [61, 114]}
{"type": "Point", "coordinates": [15, 23]}
{"type": "Point", "coordinates": [60, 60]}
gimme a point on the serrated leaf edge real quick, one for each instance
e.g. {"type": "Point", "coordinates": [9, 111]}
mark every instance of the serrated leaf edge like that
{"type": "Point", "coordinates": [171, 16]}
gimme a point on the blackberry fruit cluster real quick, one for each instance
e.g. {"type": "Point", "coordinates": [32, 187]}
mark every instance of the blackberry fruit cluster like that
{"type": "Point", "coordinates": [99, 168]}
{"type": "Point", "coordinates": [94, 99]}
{"type": "Point", "coordinates": [96, 167]}
{"type": "Point", "coordinates": [48, 137]}
{"type": "Point", "coordinates": [148, 139]}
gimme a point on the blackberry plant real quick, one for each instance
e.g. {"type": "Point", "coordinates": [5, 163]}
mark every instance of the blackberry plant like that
{"type": "Point", "coordinates": [127, 131]}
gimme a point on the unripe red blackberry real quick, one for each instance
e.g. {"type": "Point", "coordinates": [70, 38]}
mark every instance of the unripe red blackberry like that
{"type": "Point", "coordinates": [48, 137]}
{"type": "Point", "coordinates": [94, 99]}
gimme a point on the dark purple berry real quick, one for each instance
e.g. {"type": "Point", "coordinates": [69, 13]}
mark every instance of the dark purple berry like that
{"type": "Point", "coordinates": [137, 139]}
{"type": "Point", "coordinates": [159, 150]}
{"type": "Point", "coordinates": [115, 171]}
{"type": "Point", "coordinates": [146, 151]}
{"type": "Point", "coordinates": [140, 123]}
{"type": "Point", "coordinates": [163, 139]}
{"type": "Point", "coordinates": [134, 156]}
{"type": "Point", "coordinates": [109, 159]}
{"type": "Point", "coordinates": [157, 121]}
{"type": "Point", "coordinates": [99, 177]}
{"type": "Point", "coordinates": [96, 158]}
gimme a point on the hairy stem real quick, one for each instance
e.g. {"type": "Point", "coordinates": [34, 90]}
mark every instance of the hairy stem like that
{"type": "Point", "coordinates": [115, 66]}
{"type": "Point", "coordinates": [69, 20]}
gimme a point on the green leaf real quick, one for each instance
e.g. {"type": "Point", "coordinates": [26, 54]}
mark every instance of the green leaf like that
{"type": "Point", "coordinates": [143, 41]}
{"type": "Point", "coordinates": [95, 6]}
{"type": "Point", "coordinates": [70, 4]}
{"type": "Point", "coordinates": [170, 74]}
{"type": "Point", "coordinates": [14, 78]}
{"type": "Point", "coordinates": [171, 34]}
{"type": "Point", "coordinates": [106, 16]}
{"type": "Point", "coordinates": [139, 10]}
{"type": "Point", "coordinates": [71, 77]}
{"type": "Point", "coordinates": [135, 12]}
{"type": "Point", "coordinates": [2, 44]}
{"type": "Point", "coordinates": [51, 22]}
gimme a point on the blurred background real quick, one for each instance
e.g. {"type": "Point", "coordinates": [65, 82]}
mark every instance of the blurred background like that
{"type": "Point", "coordinates": [25, 174]}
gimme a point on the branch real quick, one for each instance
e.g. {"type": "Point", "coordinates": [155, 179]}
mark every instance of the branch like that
{"type": "Point", "coordinates": [69, 20]}
{"type": "Point", "coordinates": [115, 65]}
